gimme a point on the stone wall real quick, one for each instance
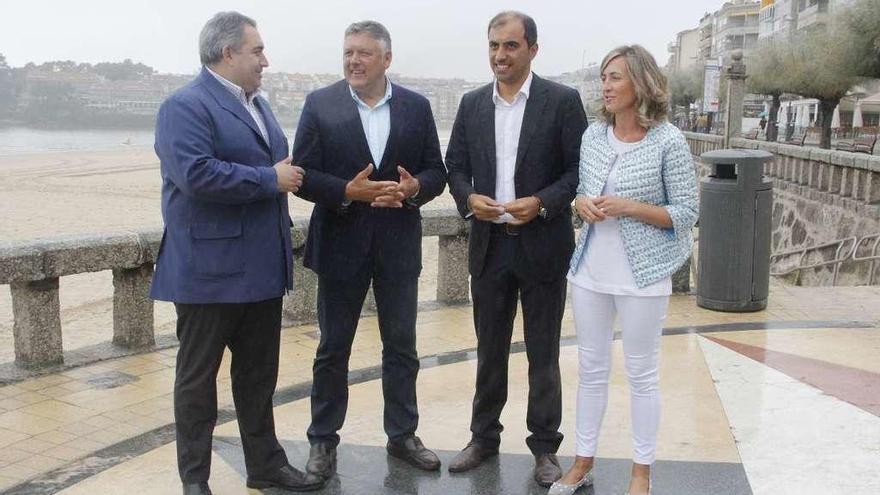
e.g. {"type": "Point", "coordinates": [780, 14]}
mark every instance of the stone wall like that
{"type": "Point", "coordinates": [819, 196]}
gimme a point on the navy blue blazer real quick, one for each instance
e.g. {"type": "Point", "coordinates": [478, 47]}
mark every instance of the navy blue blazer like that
{"type": "Point", "coordinates": [331, 146]}
{"type": "Point", "coordinates": [227, 226]}
{"type": "Point", "coordinates": [546, 166]}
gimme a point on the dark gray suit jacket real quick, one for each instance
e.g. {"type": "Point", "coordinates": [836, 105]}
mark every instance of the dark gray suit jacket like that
{"type": "Point", "coordinates": [546, 166]}
{"type": "Point", "coordinates": [331, 146]}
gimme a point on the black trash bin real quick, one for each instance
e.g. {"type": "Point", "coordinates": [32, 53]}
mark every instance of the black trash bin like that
{"type": "Point", "coordinates": [734, 245]}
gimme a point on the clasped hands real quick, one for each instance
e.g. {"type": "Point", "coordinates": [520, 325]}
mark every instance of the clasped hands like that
{"type": "Point", "coordinates": [523, 210]}
{"type": "Point", "coordinates": [595, 210]}
{"type": "Point", "coordinates": [384, 193]}
{"type": "Point", "coordinates": [290, 176]}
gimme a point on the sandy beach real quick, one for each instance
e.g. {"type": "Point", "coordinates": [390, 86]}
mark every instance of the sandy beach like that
{"type": "Point", "coordinates": [44, 195]}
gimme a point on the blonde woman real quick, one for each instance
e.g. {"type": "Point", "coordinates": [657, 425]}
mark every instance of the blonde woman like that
{"type": "Point", "coordinates": [637, 195]}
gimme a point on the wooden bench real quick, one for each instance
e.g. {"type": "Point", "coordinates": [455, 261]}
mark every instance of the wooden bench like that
{"type": "Point", "coordinates": [864, 144]}
{"type": "Point", "coordinates": [863, 141]}
{"type": "Point", "coordinates": [798, 138]}
{"type": "Point", "coordinates": [752, 134]}
{"type": "Point", "coordinates": [844, 145]}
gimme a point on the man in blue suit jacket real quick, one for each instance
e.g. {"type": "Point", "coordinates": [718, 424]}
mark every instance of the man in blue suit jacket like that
{"type": "Point", "coordinates": [226, 258]}
{"type": "Point", "coordinates": [372, 158]}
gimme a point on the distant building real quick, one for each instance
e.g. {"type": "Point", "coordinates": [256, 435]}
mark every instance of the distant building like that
{"type": "Point", "coordinates": [781, 17]}
{"type": "Point", "coordinates": [684, 52]}
{"type": "Point", "coordinates": [736, 28]}
{"type": "Point", "coordinates": [585, 80]}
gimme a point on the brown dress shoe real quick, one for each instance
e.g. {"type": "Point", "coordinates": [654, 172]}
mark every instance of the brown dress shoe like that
{"type": "Point", "coordinates": [470, 457]}
{"type": "Point", "coordinates": [322, 460]}
{"type": "Point", "coordinates": [414, 452]}
{"type": "Point", "coordinates": [287, 478]}
{"type": "Point", "coordinates": [547, 470]}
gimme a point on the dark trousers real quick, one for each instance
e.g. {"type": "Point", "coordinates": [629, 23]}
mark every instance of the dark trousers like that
{"type": "Point", "coordinates": [495, 292]}
{"type": "Point", "coordinates": [252, 333]}
{"type": "Point", "coordinates": [339, 308]}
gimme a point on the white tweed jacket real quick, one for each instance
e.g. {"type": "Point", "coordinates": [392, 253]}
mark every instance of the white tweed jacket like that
{"type": "Point", "coordinates": [659, 171]}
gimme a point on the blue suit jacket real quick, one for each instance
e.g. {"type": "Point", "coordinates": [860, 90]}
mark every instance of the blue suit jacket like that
{"type": "Point", "coordinates": [331, 146]}
{"type": "Point", "coordinates": [227, 226]}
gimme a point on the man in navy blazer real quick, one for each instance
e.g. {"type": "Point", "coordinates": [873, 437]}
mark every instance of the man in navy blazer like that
{"type": "Point", "coordinates": [513, 160]}
{"type": "Point", "coordinates": [226, 259]}
{"type": "Point", "coordinates": [372, 158]}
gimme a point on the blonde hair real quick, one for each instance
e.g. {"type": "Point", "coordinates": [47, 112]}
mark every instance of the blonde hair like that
{"type": "Point", "coordinates": [652, 96]}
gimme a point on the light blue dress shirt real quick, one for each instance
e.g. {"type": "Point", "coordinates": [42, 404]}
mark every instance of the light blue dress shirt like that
{"type": "Point", "coordinates": [376, 122]}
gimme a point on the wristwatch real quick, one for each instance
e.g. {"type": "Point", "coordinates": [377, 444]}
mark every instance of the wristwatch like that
{"type": "Point", "coordinates": [542, 212]}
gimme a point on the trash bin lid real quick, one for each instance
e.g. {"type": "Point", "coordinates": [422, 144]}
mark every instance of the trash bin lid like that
{"type": "Point", "coordinates": [737, 156]}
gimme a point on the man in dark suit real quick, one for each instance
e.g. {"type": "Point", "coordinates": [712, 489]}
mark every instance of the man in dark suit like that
{"type": "Point", "coordinates": [513, 160]}
{"type": "Point", "coordinates": [225, 259]}
{"type": "Point", "coordinates": [372, 158]}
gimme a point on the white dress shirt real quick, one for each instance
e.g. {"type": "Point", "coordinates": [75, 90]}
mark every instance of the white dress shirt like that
{"type": "Point", "coordinates": [376, 122]}
{"type": "Point", "coordinates": [508, 123]}
{"type": "Point", "coordinates": [245, 100]}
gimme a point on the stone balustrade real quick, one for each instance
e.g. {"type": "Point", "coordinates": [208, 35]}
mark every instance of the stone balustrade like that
{"type": "Point", "coordinates": [32, 270]}
{"type": "Point", "coordinates": [820, 196]}
{"type": "Point", "coordinates": [851, 179]}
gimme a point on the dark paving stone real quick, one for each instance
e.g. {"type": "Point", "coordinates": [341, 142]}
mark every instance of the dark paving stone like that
{"type": "Point", "coordinates": [111, 379]}
{"type": "Point", "coordinates": [369, 470]}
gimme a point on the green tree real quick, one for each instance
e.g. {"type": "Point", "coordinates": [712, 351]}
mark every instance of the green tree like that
{"type": "Point", "coordinates": [766, 77]}
{"type": "Point", "coordinates": [53, 103]}
{"type": "Point", "coordinates": [861, 23]}
{"type": "Point", "coordinates": [7, 89]}
{"type": "Point", "coordinates": [820, 64]}
{"type": "Point", "coordinates": [685, 85]}
{"type": "Point", "coordinates": [126, 70]}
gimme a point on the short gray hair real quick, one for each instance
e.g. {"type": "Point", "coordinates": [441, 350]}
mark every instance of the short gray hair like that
{"type": "Point", "coordinates": [225, 29]}
{"type": "Point", "coordinates": [375, 29]}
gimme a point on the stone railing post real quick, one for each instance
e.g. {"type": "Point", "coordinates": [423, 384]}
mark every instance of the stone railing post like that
{"type": "Point", "coordinates": [301, 304]}
{"type": "Point", "coordinates": [872, 188]}
{"type": "Point", "coordinates": [681, 279]}
{"type": "Point", "coordinates": [37, 326]}
{"type": "Point", "coordinates": [452, 269]}
{"type": "Point", "coordinates": [370, 301]}
{"type": "Point", "coordinates": [736, 78]}
{"type": "Point", "coordinates": [132, 307]}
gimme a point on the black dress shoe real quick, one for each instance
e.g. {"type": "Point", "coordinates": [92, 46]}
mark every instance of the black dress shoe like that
{"type": "Point", "coordinates": [322, 460]}
{"type": "Point", "coordinates": [470, 457]}
{"type": "Point", "coordinates": [287, 478]}
{"type": "Point", "coordinates": [414, 452]}
{"type": "Point", "coordinates": [197, 488]}
{"type": "Point", "coordinates": [547, 470]}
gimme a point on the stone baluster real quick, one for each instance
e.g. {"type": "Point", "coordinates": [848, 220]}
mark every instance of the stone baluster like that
{"type": "Point", "coordinates": [300, 305]}
{"type": "Point", "coordinates": [37, 326]}
{"type": "Point", "coordinates": [452, 269]}
{"type": "Point", "coordinates": [132, 307]}
{"type": "Point", "coordinates": [872, 187]}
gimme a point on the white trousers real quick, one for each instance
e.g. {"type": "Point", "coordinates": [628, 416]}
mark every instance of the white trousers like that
{"type": "Point", "coordinates": [641, 319]}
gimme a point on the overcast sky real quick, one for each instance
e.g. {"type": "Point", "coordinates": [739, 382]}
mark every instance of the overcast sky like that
{"type": "Point", "coordinates": [430, 38]}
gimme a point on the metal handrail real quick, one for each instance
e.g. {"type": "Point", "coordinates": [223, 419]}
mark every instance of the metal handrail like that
{"type": "Point", "coordinates": [838, 259]}
{"type": "Point", "coordinates": [872, 257]}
